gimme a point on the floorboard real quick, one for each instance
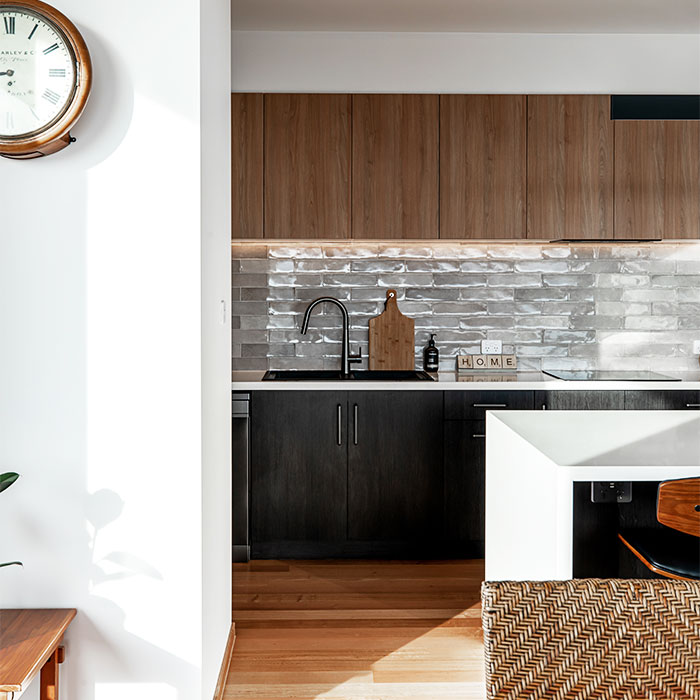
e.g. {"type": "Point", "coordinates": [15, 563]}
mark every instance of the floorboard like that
{"type": "Point", "coordinates": [357, 630]}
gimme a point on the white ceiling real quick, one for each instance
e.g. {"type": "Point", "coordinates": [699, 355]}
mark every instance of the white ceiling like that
{"type": "Point", "coordinates": [527, 16]}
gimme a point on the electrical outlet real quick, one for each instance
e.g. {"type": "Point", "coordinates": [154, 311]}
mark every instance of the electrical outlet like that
{"type": "Point", "coordinates": [696, 347]}
{"type": "Point", "coordinates": [611, 492]}
{"type": "Point", "coordinates": [491, 347]}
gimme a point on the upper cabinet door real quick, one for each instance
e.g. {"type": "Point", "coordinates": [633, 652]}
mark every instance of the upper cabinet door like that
{"type": "Point", "coordinates": [657, 179]}
{"type": "Point", "coordinates": [395, 166]}
{"type": "Point", "coordinates": [482, 166]}
{"type": "Point", "coordinates": [307, 166]}
{"type": "Point", "coordinates": [246, 165]}
{"type": "Point", "coordinates": [570, 167]}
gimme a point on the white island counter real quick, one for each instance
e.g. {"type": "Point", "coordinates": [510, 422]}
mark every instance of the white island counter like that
{"type": "Point", "coordinates": [533, 459]}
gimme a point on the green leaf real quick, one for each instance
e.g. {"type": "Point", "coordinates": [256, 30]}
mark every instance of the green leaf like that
{"type": "Point", "coordinates": [7, 479]}
{"type": "Point", "coordinates": [11, 563]}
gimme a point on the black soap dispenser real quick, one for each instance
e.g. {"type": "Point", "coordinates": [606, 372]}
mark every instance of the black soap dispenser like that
{"type": "Point", "coordinates": [431, 356]}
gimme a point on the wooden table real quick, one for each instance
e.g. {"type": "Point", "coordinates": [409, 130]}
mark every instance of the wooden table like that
{"type": "Point", "coordinates": [29, 645]}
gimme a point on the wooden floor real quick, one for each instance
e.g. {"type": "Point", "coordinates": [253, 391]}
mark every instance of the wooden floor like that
{"type": "Point", "coordinates": [357, 630]}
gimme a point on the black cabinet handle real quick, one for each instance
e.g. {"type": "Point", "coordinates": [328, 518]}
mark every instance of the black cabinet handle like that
{"type": "Point", "coordinates": [490, 405]}
{"type": "Point", "coordinates": [340, 424]}
{"type": "Point", "coordinates": [478, 435]}
{"type": "Point", "coordinates": [354, 425]}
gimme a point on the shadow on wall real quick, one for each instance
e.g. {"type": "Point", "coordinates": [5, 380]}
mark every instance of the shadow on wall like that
{"type": "Point", "coordinates": [104, 626]}
{"type": "Point", "coordinates": [47, 244]}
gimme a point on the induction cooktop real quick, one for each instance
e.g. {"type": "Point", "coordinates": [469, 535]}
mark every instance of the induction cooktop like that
{"type": "Point", "coordinates": [610, 376]}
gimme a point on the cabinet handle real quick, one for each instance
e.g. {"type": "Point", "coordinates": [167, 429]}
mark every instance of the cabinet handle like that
{"type": "Point", "coordinates": [692, 405]}
{"type": "Point", "coordinates": [340, 424]}
{"type": "Point", "coordinates": [544, 406]}
{"type": "Point", "coordinates": [490, 405]}
{"type": "Point", "coordinates": [354, 425]}
{"type": "Point", "coordinates": [478, 435]}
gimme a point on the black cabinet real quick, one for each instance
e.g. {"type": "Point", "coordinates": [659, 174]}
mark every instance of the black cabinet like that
{"type": "Point", "coordinates": [298, 468]}
{"type": "Point", "coordinates": [389, 473]}
{"type": "Point", "coordinates": [465, 463]}
{"type": "Point", "coordinates": [352, 473]}
{"type": "Point", "coordinates": [472, 405]}
{"type": "Point", "coordinates": [395, 475]}
{"type": "Point", "coordinates": [580, 400]}
{"type": "Point", "coordinates": [465, 478]}
{"type": "Point", "coordinates": [665, 400]}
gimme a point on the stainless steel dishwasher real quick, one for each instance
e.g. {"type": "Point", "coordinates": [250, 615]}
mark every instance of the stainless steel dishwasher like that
{"type": "Point", "coordinates": [240, 412]}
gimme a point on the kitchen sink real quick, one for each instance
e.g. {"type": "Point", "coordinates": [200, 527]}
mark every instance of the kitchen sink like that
{"type": "Point", "coordinates": [380, 375]}
{"type": "Point", "coordinates": [303, 375]}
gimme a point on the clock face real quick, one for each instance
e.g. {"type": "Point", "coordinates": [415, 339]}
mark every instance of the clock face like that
{"type": "Point", "coordinates": [37, 73]}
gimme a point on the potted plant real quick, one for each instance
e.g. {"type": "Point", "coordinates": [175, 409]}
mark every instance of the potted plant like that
{"type": "Point", "coordinates": [6, 480]}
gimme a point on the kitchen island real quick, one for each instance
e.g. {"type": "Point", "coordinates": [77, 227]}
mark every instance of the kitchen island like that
{"type": "Point", "coordinates": [534, 459]}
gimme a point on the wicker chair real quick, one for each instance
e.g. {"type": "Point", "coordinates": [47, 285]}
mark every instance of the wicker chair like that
{"type": "Point", "coordinates": [592, 639]}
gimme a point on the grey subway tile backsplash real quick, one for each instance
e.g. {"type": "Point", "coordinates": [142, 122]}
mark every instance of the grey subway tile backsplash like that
{"type": "Point", "coordinates": [584, 306]}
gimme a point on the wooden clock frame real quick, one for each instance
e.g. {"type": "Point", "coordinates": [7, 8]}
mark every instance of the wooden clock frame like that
{"type": "Point", "coordinates": [56, 136]}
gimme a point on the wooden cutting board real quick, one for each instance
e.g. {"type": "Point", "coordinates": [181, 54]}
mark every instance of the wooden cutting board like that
{"type": "Point", "coordinates": [391, 338]}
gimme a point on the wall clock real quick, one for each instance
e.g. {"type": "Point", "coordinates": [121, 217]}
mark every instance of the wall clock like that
{"type": "Point", "coordinates": [45, 78]}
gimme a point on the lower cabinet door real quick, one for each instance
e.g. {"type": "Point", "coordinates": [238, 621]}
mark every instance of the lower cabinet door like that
{"type": "Point", "coordinates": [580, 400]}
{"type": "Point", "coordinates": [299, 468]}
{"type": "Point", "coordinates": [465, 478]}
{"type": "Point", "coordinates": [395, 466]}
{"type": "Point", "coordinates": [673, 400]}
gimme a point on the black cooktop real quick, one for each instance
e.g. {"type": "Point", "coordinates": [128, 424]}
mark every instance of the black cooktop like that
{"type": "Point", "coordinates": [610, 376]}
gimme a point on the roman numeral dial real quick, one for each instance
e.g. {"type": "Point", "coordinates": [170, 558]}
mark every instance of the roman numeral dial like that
{"type": "Point", "coordinates": [37, 72]}
{"type": "Point", "coordinates": [51, 96]}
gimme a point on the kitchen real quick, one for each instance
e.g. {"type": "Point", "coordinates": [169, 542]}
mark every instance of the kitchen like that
{"type": "Point", "coordinates": [116, 265]}
{"type": "Point", "coordinates": [544, 224]}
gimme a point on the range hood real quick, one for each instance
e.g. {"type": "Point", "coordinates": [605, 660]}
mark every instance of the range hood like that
{"type": "Point", "coordinates": [655, 107]}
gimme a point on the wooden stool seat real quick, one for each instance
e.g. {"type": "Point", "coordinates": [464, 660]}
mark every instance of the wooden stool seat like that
{"type": "Point", "coordinates": [672, 550]}
{"type": "Point", "coordinates": [666, 552]}
{"type": "Point", "coordinates": [29, 645]}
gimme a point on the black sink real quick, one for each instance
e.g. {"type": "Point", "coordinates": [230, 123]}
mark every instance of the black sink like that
{"type": "Point", "coordinates": [303, 375]}
{"type": "Point", "coordinates": [380, 375]}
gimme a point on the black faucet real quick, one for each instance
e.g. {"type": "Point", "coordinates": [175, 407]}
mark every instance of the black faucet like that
{"type": "Point", "coordinates": [346, 357]}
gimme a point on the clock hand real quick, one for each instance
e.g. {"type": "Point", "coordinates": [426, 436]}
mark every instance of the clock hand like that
{"type": "Point", "coordinates": [8, 72]}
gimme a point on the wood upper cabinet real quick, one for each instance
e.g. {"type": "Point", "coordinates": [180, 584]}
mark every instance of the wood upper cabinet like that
{"type": "Point", "coordinates": [307, 166]}
{"type": "Point", "coordinates": [458, 167]}
{"type": "Point", "coordinates": [482, 166]}
{"type": "Point", "coordinates": [570, 167]}
{"type": "Point", "coordinates": [246, 165]}
{"type": "Point", "coordinates": [395, 166]}
{"type": "Point", "coordinates": [657, 179]}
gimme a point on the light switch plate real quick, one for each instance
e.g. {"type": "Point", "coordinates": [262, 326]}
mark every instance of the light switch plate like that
{"type": "Point", "coordinates": [696, 347]}
{"type": "Point", "coordinates": [491, 347]}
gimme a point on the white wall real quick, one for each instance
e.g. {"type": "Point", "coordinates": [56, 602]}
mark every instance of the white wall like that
{"type": "Point", "coordinates": [111, 349]}
{"type": "Point", "coordinates": [465, 63]}
{"type": "Point", "coordinates": [216, 336]}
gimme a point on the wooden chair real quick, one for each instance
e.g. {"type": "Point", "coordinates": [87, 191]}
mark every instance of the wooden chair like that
{"type": "Point", "coordinates": [672, 551]}
{"type": "Point", "coordinates": [608, 639]}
